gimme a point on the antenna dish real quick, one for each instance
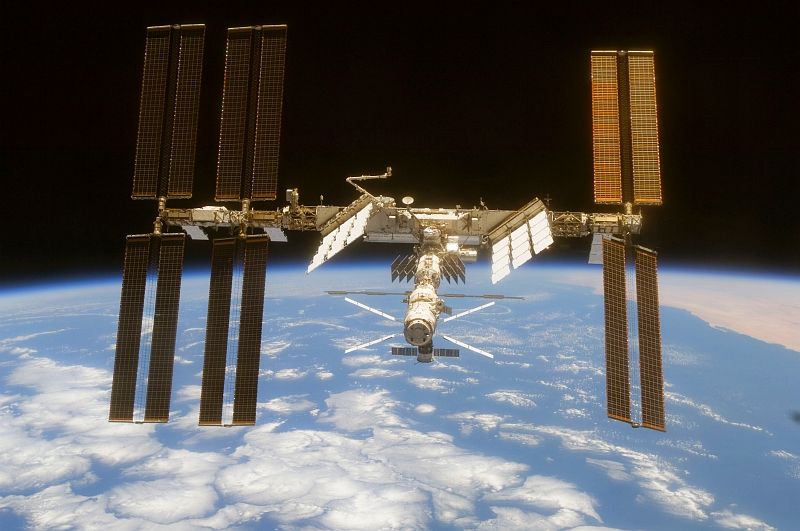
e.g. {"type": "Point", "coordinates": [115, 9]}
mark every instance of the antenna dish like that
{"type": "Point", "coordinates": [407, 200]}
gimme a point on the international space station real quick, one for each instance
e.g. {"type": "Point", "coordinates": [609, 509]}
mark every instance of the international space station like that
{"type": "Point", "coordinates": [626, 173]}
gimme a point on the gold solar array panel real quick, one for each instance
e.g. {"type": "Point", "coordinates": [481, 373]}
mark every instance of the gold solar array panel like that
{"type": "Point", "coordinates": [233, 127]}
{"type": "Point", "coordinates": [268, 122]}
{"type": "Point", "coordinates": [650, 361]}
{"type": "Point", "coordinates": [605, 128]}
{"type": "Point", "coordinates": [165, 324]}
{"type": "Point", "coordinates": [129, 330]}
{"type": "Point", "coordinates": [214, 357]}
{"type": "Point", "coordinates": [187, 101]}
{"type": "Point", "coordinates": [151, 112]}
{"type": "Point", "coordinates": [644, 129]}
{"type": "Point", "coordinates": [616, 321]}
{"type": "Point", "coordinates": [251, 317]}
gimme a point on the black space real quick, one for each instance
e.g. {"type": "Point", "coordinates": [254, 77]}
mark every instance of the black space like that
{"type": "Point", "coordinates": [463, 102]}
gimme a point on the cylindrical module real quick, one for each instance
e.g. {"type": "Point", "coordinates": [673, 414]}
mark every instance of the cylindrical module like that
{"type": "Point", "coordinates": [421, 316]}
{"type": "Point", "coordinates": [423, 303]}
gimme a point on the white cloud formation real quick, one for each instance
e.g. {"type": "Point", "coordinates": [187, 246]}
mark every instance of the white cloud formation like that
{"type": "Point", "coordinates": [288, 404]}
{"type": "Point", "coordinates": [727, 519]}
{"type": "Point", "coordinates": [425, 408]}
{"type": "Point", "coordinates": [368, 359]}
{"type": "Point", "coordinates": [375, 372]}
{"type": "Point", "coordinates": [290, 374]}
{"type": "Point", "coordinates": [431, 384]}
{"type": "Point", "coordinates": [470, 420]}
{"type": "Point", "coordinates": [544, 492]}
{"type": "Point", "coordinates": [515, 398]}
{"type": "Point", "coordinates": [359, 410]}
{"type": "Point", "coordinates": [614, 469]}
{"type": "Point", "coordinates": [659, 480]}
{"type": "Point", "coordinates": [678, 398]}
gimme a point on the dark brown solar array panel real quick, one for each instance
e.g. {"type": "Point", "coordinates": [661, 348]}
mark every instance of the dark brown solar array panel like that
{"type": "Point", "coordinates": [165, 325]}
{"type": "Point", "coordinates": [233, 127]}
{"type": "Point", "coordinates": [219, 302]}
{"type": "Point", "coordinates": [187, 101]}
{"type": "Point", "coordinates": [616, 319]}
{"type": "Point", "coordinates": [151, 113]}
{"type": "Point", "coordinates": [129, 330]}
{"type": "Point", "coordinates": [251, 319]}
{"type": "Point", "coordinates": [446, 352]}
{"type": "Point", "coordinates": [404, 351]}
{"type": "Point", "coordinates": [644, 129]}
{"type": "Point", "coordinates": [650, 361]}
{"type": "Point", "coordinates": [268, 121]}
{"type": "Point", "coordinates": [605, 128]}
{"type": "Point", "coordinates": [168, 112]}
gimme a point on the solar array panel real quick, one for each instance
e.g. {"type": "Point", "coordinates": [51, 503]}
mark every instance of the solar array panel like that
{"type": "Point", "coordinates": [501, 259]}
{"type": "Point", "coordinates": [249, 139]}
{"type": "Point", "coordinates": [214, 357]}
{"type": "Point", "coordinates": [404, 267]}
{"type": "Point", "coordinates": [268, 121]}
{"type": "Point", "coordinates": [233, 331]}
{"type": "Point", "coordinates": [344, 234]}
{"type": "Point", "coordinates": [147, 328]}
{"type": "Point", "coordinates": [605, 128]}
{"type": "Point", "coordinates": [233, 126]}
{"type": "Point", "coordinates": [452, 267]}
{"type": "Point", "coordinates": [625, 128]}
{"type": "Point", "coordinates": [616, 331]}
{"type": "Point", "coordinates": [151, 112]}
{"type": "Point", "coordinates": [529, 234]}
{"type": "Point", "coordinates": [165, 324]}
{"type": "Point", "coordinates": [129, 329]}
{"type": "Point", "coordinates": [644, 129]}
{"type": "Point", "coordinates": [650, 360]}
{"type": "Point", "coordinates": [168, 109]}
{"type": "Point", "coordinates": [251, 318]}
{"type": "Point", "coordinates": [445, 352]}
{"type": "Point", "coordinates": [187, 103]}
{"type": "Point", "coordinates": [404, 351]}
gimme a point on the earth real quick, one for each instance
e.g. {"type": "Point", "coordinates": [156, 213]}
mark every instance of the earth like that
{"type": "Point", "coordinates": [367, 441]}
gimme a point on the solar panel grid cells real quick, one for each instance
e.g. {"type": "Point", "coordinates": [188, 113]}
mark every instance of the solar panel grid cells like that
{"type": "Point", "coordinates": [148, 318]}
{"type": "Point", "coordinates": [129, 330]}
{"type": "Point", "coordinates": [187, 101]}
{"type": "Point", "coordinates": [616, 331]}
{"type": "Point", "coordinates": [151, 113]}
{"type": "Point", "coordinates": [165, 324]}
{"type": "Point", "coordinates": [168, 114]}
{"type": "Point", "coordinates": [270, 103]}
{"type": "Point", "coordinates": [219, 300]}
{"type": "Point", "coordinates": [650, 360]}
{"type": "Point", "coordinates": [644, 129]}
{"type": "Point", "coordinates": [605, 129]}
{"type": "Point", "coordinates": [252, 312]}
{"type": "Point", "coordinates": [232, 351]}
{"type": "Point", "coordinates": [234, 115]}
{"type": "Point", "coordinates": [252, 111]}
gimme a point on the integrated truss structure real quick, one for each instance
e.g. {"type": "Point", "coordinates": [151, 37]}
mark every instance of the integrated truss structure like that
{"type": "Point", "coordinates": [626, 172]}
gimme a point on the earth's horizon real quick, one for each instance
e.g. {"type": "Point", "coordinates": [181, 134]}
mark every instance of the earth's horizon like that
{"type": "Point", "coordinates": [364, 441]}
